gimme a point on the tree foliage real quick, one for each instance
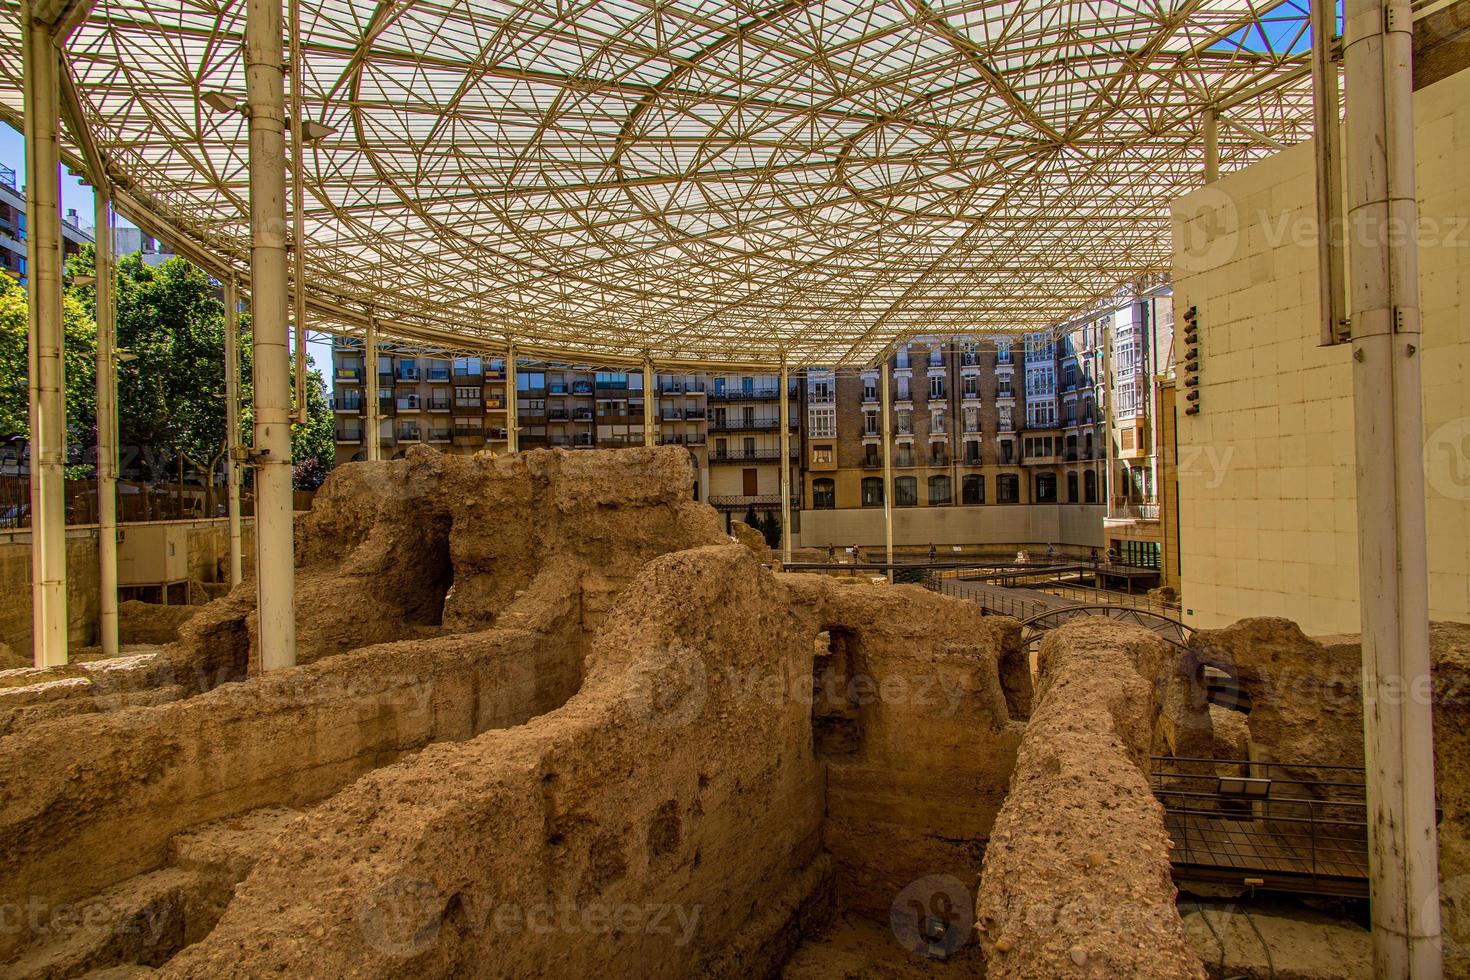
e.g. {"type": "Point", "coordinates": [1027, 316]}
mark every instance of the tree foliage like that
{"type": "Point", "coordinates": [171, 383]}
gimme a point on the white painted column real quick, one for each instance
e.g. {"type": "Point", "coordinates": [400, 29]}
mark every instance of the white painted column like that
{"type": "Point", "coordinates": [650, 405]}
{"type": "Point", "coordinates": [886, 410]}
{"type": "Point", "coordinates": [107, 421]}
{"type": "Point", "coordinates": [274, 558]}
{"type": "Point", "coordinates": [372, 444]}
{"type": "Point", "coordinates": [232, 426]}
{"type": "Point", "coordinates": [785, 423]}
{"type": "Point", "coordinates": [46, 369]}
{"type": "Point", "coordinates": [512, 408]}
{"type": "Point", "coordinates": [1389, 427]}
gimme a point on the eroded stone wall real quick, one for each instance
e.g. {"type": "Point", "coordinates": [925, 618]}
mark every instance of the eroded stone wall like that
{"type": "Point", "coordinates": [1077, 876]}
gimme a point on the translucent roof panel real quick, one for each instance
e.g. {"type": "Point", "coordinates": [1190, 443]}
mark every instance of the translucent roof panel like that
{"type": "Point", "coordinates": [700, 180]}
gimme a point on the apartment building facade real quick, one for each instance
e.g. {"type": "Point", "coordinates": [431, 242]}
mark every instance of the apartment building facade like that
{"type": "Point", "coordinates": [993, 440]}
{"type": "Point", "coordinates": [13, 228]}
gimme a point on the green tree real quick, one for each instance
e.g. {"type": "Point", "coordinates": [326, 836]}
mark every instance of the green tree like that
{"type": "Point", "coordinates": [80, 339]}
{"type": "Point", "coordinates": [171, 385]}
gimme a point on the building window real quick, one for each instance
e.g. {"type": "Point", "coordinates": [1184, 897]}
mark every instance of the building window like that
{"type": "Point", "coordinates": [905, 491]}
{"type": "Point", "coordinates": [936, 387]}
{"type": "Point", "coordinates": [1089, 486]}
{"type": "Point", "coordinates": [972, 490]}
{"type": "Point", "coordinates": [821, 454]}
{"type": "Point", "coordinates": [870, 389]}
{"type": "Point", "coordinates": [905, 423]}
{"type": "Point", "coordinates": [823, 422]}
{"type": "Point", "coordinates": [939, 492]}
{"type": "Point", "coordinates": [972, 383]}
{"type": "Point", "coordinates": [870, 423]}
{"type": "Point", "coordinates": [1008, 489]}
{"type": "Point", "coordinates": [1046, 488]}
{"type": "Point", "coordinates": [872, 491]}
{"type": "Point", "coordinates": [824, 494]}
{"type": "Point", "coordinates": [1071, 488]}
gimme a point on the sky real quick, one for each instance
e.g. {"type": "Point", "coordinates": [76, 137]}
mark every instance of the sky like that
{"type": "Point", "coordinates": [75, 194]}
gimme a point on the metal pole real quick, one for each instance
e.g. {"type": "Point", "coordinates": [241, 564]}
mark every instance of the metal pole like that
{"type": "Point", "coordinates": [298, 221]}
{"type": "Point", "coordinates": [1392, 550]}
{"type": "Point", "coordinates": [785, 422]}
{"type": "Point", "coordinates": [1327, 150]}
{"type": "Point", "coordinates": [274, 561]}
{"type": "Point", "coordinates": [512, 407]}
{"type": "Point", "coordinates": [232, 425]}
{"type": "Point", "coordinates": [372, 446]}
{"type": "Point", "coordinates": [47, 369]}
{"type": "Point", "coordinates": [1212, 145]}
{"type": "Point", "coordinates": [650, 405]}
{"type": "Point", "coordinates": [884, 407]}
{"type": "Point", "coordinates": [107, 422]}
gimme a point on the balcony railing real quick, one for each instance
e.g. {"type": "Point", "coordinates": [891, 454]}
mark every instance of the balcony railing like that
{"type": "Point", "coordinates": [348, 435]}
{"type": "Point", "coordinates": [762, 394]}
{"type": "Point", "coordinates": [583, 415]}
{"type": "Point", "coordinates": [749, 455]}
{"type": "Point", "coordinates": [348, 374]}
{"type": "Point", "coordinates": [769, 501]}
{"type": "Point", "coordinates": [340, 404]}
{"type": "Point", "coordinates": [872, 463]}
{"type": "Point", "coordinates": [438, 404]}
{"type": "Point", "coordinates": [747, 425]}
{"type": "Point", "coordinates": [558, 415]}
{"type": "Point", "coordinates": [439, 435]}
{"type": "Point", "coordinates": [1133, 512]}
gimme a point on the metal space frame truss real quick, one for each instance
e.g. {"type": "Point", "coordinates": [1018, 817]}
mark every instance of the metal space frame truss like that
{"type": "Point", "coordinates": [695, 181]}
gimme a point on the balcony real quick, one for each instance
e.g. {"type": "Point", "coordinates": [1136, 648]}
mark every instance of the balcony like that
{"type": "Point", "coordinates": [406, 373]}
{"type": "Point", "coordinates": [438, 373]}
{"type": "Point", "coordinates": [582, 388]}
{"type": "Point", "coordinates": [671, 415]}
{"type": "Point", "coordinates": [439, 435]}
{"type": "Point", "coordinates": [408, 435]}
{"type": "Point", "coordinates": [557, 388]}
{"type": "Point", "coordinates": [762, 394]}
{"type": "Point", "coordinates": [495, 403]}
{"type": "Point", "coordinates": [938, 461]}
{"type": "Point", "coordinates": [409, 404]}
{"type": "Point", "coordinates": [695, 415]}
{"type": "Point", "coordinates": [749, 456]}
{"type": "Point", "coordinates": [747, 425]}
{"type": "Point", "coordinates": [341, 404]}
{"type": "Point", "coordinates": [1123, 511]}
{"type": "Point", "coordinates": [583, 415]}
{"type": "Point", "coordinates": [872, 462]}
{"type": "Point", "coordinates": [350, 375]}
{"type": "Point", "coordinates": [460, 402]}
{"type": "Point", "coordinates": [438, 404]}
{"type": "Point", "coordinates": [769, 501]}
{"type": "Point", "coordinates": [348, 435]}
{"type": "Point", "coordinates": [584, 440]}
{"type": "Point", "coordinates": [558, 415]}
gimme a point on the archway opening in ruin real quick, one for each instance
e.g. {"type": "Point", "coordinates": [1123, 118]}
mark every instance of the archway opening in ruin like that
{"type": "Point", "coordinates": [837, 682]}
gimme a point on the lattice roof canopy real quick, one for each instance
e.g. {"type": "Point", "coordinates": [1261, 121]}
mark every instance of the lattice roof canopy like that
{"type": "Point", "coordinates": [694, 179]}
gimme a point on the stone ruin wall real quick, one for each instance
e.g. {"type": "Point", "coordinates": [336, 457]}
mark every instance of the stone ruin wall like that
{"type": "Point", "coordinates": [1306, 705]}
{"type": "Point", "coordinates": [604, 705]}
{"type": "Point", "coordinates": [682, 769]}
{"type": "Point", "coordinates": [1077, 876]}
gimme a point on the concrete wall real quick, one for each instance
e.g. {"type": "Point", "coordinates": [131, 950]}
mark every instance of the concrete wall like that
{"type": "Point", "coordinates": [1266, 470]}
{"type": "Point", "coordinates": [208, 547]}
{"type": "Point", "coordinates": [1003, 526]}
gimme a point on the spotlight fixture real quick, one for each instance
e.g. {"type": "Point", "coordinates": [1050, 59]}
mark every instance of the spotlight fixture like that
{"type": "Point", "coordinates": [220, 102]}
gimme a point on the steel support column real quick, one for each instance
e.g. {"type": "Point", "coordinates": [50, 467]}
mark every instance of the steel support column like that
{"type": "Point", "coordinates": [887, 429]}
{"type": "Point", "coordinates": [107, 420]}
{"type": "Point", "coordinates": [650, 405]}
{"type": "Point", "coordinates": [784, 413]}
{"type": "Point", "coordinates": [512, 407]}
{"type": "Point", "coordinates": [1389, 425]}
{"type": "Point", "coordinates": [232, 426]}
{"type": "Point", "coordinates": [47, 371]}
{"type": "Point", "coordinates": [274, 560]}
{"type": "Point", "coordinates": [1212, 145]}
{"type": "Point", "coordinates": [372, 443]}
